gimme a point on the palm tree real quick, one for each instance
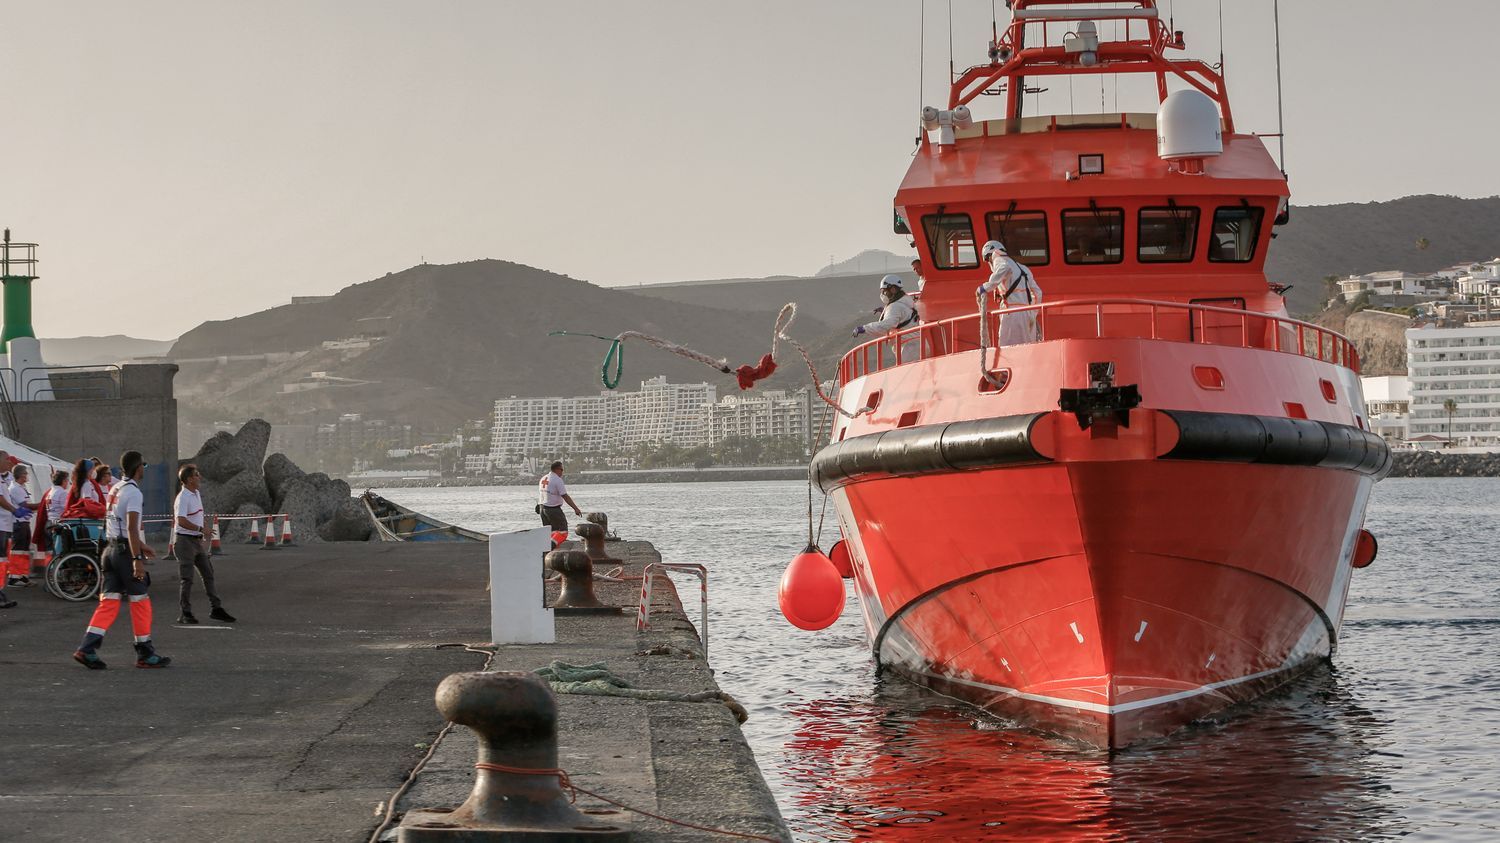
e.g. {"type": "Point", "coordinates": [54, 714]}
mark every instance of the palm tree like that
{"type": "Point", "coordinates": [1450, 406]}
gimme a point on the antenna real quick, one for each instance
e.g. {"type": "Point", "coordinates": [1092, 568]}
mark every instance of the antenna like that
{"type": "Point", "coordinates": [1280, 129]}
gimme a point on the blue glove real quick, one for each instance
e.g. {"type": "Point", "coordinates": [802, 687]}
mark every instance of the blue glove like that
{"type": "Point", "coordinates": [22, 513]}
{"type": "Point", "coordinates": [877, 311]}
{"type": "Point", "coordinates": [979, 292]}
{"type": "Point", "coordinates": [859, 330]}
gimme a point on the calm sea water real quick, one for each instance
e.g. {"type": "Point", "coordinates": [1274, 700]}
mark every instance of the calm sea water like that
{"type": "Point", "coordinates": [1399, 737]}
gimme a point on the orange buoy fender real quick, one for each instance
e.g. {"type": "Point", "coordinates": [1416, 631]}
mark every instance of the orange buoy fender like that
{"type": "Point", "coordinates": [839, 555]}
{"type": "Point", "coordinates": [1365, 549]}
{"type": "Point", "coordinates": [812, 592]}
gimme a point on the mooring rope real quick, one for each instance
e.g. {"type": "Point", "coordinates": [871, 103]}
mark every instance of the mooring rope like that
{"type": "Point", "coordinates": [613, 368]}
{"type": "Point", "coordinates": [984, 342]}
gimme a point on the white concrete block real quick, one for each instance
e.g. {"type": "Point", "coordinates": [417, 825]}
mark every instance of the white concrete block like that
{"type": "Point", "coordinates": [517, 615]}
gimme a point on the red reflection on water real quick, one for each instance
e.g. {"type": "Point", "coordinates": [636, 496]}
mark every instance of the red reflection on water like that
{"type": "Point", "coordinates": [933, 774]}
{"type": "Point", "coordinates": [912, 766]}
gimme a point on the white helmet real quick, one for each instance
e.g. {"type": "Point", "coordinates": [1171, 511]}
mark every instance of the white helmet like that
{"type": "Point", "coordinates": [991, 248]}
{"type": "Point", "coordinates": [892, 281]}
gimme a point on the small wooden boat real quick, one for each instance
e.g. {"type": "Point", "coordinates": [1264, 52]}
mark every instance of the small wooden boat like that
{"type": "Point", "coordinates": [396, 523]}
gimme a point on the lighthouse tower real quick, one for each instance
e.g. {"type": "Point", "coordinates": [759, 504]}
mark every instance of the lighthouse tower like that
{"type": "Point", "coordinates": [21, 366]}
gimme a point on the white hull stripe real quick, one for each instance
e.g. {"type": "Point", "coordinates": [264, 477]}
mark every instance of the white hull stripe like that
{"type": "Point", "coordinates": [1101, 708]}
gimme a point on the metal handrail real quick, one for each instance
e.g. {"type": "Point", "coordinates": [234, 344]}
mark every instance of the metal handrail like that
{"type": "Point", "coordinates": [648, 575]}
{"type": "Point", "coordinates": [110, 369]}
{"type": "Point", "coordinates": [36, 394]}
{"type": "Point", "coordinates": [942, 338]}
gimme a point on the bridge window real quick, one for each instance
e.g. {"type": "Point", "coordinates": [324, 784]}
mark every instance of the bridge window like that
{"type": "Point", "coordinates": [1024, 234]}
{"type": "Point", "coordinates": [1093, 235]}
{"type": "Point", "coordinates": [1236, 230]}
{"type": "Point", "coordinates": [1166, 235]}
{"type": "Point", "coordinates": [950, 238]}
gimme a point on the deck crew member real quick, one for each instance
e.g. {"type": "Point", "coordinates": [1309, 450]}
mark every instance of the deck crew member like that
{"type": "Point", "coordinates": [1017, 288]}
{"type": "Point", "coordinates": [19, 557]}
{"type": "Point", "coordinates": [191, 549]}
{"type": "Point", "coordinates": [899, 311]}
{"type": "Point", "coordinates": [125, 574]}
{"type": "Point", "coordinates": [552, 492]}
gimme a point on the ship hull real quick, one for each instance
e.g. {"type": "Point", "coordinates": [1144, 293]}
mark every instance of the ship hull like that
{"type": "Point", "coordinates": [1109, 601]}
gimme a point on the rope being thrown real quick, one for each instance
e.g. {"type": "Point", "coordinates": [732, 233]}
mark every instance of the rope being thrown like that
{"type": "Point", "coordinates": [613, 368]}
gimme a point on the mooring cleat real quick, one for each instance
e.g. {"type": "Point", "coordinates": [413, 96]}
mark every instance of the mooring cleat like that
{"type": "Point", "coordinates": [153, 661]}
{"type": "Point", "coordinates": [89, 660]}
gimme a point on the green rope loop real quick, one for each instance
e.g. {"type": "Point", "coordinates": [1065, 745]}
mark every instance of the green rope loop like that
{"type": "Point", "coordinates": [616, 353]}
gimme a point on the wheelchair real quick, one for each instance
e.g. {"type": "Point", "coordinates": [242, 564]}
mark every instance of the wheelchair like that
{"type": "Point", "coordinates": [76, 571]}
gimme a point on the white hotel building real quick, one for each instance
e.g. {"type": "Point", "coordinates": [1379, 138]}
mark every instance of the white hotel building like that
{"type": "Point", "coordinates": [687, 415]}
{"type": "Point", "coordinates": [1462, 364]}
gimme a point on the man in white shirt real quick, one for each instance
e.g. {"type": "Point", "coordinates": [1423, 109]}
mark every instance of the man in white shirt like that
{"type": "Point", "coordinates": [1016, 288]}
{"type": "Point", "coordinates": [192, 550]}
{"type": "Point", "coordinates": [19, 557]}
{"type": "Point", "coordinates": [552, 492]}
{"type": "Point", "coordinates": [7, 524]}
{"type": "Point", "coordinates": [124, 572]}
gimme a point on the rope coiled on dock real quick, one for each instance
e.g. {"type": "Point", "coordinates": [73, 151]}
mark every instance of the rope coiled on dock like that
{"type": "Point", "coordinates": [596, 680]}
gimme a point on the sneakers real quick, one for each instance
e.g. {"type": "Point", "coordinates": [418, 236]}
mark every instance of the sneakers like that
{"type": "Point", "coordinates": [220, 615]}
{"type": "Point", "coordinates": [187, 617]}
{"type": "Point", "coordinates": [18, 582]}
{"type": "Point", "coordinates": [153, 660]}
{"type": "Point", "coordinates": [6, 603]}
{"type": "Point", "coordinates": [88, 660]}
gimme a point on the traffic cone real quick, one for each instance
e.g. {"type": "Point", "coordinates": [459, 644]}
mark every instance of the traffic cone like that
{"type": "Point", "coordinates": [286, 531]}
{"type": "Point", "coordinates": [270, 535]}
{"type": "Point", "coordinates": [216, 547]}
{"type": "Point", "coordinates": [254, 532]}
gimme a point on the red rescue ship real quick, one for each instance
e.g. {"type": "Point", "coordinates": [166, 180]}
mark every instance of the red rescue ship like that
{"type": "Point", "coordinates": [1152, 513]}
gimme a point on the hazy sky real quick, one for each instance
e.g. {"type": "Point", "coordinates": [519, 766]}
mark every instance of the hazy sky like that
{"type": "Point", "coordinates": [190, 160]}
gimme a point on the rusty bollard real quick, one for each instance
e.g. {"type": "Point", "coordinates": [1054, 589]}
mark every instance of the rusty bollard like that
{"type": "Point", "coordinates": [602, 519]}
{"type": "Point", "coordinates": [593, 543]}
{"type": "Point", "coordinates": [518, 790]}
{"type": "Point", "coordinates": [577, 580]}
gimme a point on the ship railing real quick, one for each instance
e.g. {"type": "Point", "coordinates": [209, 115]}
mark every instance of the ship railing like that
{"type": "Point", "coordinates": [1109, 318]}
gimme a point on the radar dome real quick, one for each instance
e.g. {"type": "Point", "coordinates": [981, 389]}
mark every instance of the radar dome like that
{"type": "Point", "coordinates": [1187, 126]}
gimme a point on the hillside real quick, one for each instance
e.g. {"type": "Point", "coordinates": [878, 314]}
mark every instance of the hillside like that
{"type": "Point", "coordinates": [88, 351]}
{"type": "Point", "coordinates": [1356, 238]}
{"type": "Point", "coordinates": [456, 337]}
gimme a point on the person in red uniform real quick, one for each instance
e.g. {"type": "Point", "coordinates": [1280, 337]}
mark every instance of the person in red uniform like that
{"type": "Point", "coordinates": [124, 572]}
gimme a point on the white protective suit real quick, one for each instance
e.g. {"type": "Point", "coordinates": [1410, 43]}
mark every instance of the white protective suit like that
{"type": "Point", "coordinates": [1010, 277]}
{"type": "Point", "coordinates": [899, 314]}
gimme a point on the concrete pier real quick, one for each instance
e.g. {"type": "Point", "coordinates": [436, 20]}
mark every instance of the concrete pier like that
{"type": "Point", "coordinates": [301, 720]}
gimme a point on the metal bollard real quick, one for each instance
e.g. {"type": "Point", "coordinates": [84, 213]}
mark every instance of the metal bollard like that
{"type": "Point", "coordinates": [602, 519]}
{"type": "Point", "coordinates": [593, 543]}
{"type": "Point", "coordinates": [577, 580]}
{"type": "Point", "coordinates": [518, 790]}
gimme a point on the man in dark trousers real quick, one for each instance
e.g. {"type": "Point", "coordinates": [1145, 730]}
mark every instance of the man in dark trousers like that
{"type": "Point", "coordinates": [125, 574]}
{"type": "Point", "coordinates": [553, 492]}
{"type": "Point", "coordinates": [192, 550]}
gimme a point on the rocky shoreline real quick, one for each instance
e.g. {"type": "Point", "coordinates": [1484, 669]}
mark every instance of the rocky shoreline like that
{"type": "Point", "coordinates": [1443, 464]}
{"type": "Point", "coordinates": [240, 479]}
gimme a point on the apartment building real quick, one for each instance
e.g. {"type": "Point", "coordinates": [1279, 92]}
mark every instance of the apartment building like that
{"type": "Point", "coordinates": [1461, 364]}
{"type": "Point", "coordinates": [657, 412]}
